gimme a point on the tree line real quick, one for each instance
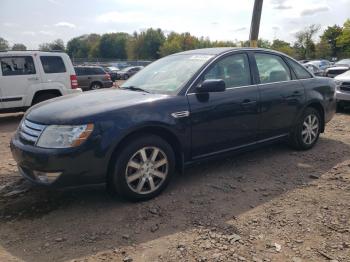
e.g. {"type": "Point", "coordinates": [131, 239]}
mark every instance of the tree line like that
{"type": "Point", "coordinates": [151, 44]}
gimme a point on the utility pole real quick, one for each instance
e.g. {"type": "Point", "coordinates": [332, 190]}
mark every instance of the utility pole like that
{"type": "Point", "coordinates": [254, 26]}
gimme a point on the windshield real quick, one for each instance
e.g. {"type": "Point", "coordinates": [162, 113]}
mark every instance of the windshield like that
{"type": "Point", "coordinates": [169, 74]}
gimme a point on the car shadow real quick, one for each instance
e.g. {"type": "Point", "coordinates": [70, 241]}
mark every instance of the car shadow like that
{"type": "Point", "coordinates": [82, 221]}
{"type": "Point", "coordinates": [9, 122]}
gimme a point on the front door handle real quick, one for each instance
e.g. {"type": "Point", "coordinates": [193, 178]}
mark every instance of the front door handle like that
{"type": "Point", "coordinates": [246, 102]}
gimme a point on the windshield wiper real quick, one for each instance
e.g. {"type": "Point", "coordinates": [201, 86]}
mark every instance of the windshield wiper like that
{"type": "Point", "coordinates": [134, 88]}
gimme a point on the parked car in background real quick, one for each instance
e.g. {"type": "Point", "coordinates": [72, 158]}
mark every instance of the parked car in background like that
{"type": "Point", "coordinates": [338, 68]}
{"type": "Point", "coordinates": [128, 72]}
{"type": "Point", "coordinates": [180, 109]}
{"type": "Point", "coordinates": [314, 69]}
{"type": "Point", "coordinates": [112, 71]}
{"type": "Point", "coordinates": [30, 77]}
{"type": "Point", "coordinates": [343, 89]}
{"type": "Point", "coordinates": [92, 77]}
{"type": "Point", "coordinates": [321, 64]}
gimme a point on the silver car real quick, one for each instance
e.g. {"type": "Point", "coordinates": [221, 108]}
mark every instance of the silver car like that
{"type": "Point", "coordinates": [343, 89]}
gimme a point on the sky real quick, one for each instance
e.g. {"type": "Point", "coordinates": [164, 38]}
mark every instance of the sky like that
{"type": "Point", "coordinates": [32, 22]}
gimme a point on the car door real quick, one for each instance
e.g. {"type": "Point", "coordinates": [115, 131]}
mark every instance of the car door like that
{"type": "Point", "coordinates": [82, 77]}
{"type": "Point", "coordinates": [19, 73]}
{"type": "Point", "coordinates": [222, 121]}
{"type": "Point", "coordinates": [281, 97]}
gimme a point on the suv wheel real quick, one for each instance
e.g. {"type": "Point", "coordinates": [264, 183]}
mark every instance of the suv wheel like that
{"type": "Point", "coordinates": [43, 97]}
{"type": "Point", "coordinates": [307, 131]}
{"type": "Point", "coordinates": [95, 86]}
{"type": "Point", "coordinates": [142, 169]}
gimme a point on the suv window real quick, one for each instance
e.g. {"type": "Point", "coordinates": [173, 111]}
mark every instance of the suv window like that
{"type": "Point", "coordinates": [234, 70]}
{"type": "Point", "coordinates": [94, 71]}
{"type": "Point", "coordinates": [299, 70]}
{"type": "Point", "coordinates": [17, 65]}
{"type": "Point", "coordinates": [271, 68]}
{"type": "Point", "coordinates": [79, 71]}
{"type": "Point", "coordinates": [52, 64]}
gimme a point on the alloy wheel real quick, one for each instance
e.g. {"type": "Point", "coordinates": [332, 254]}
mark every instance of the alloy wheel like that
{"type": "Point", "coordinates": [310, 129]}
{"type": "Point", "coordinates": [146, 170]}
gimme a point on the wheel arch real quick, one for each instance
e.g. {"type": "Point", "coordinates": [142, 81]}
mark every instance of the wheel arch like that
{"type": "Point", "coordinates": [45, 91]}
{"type": "Point", "coordinates": [317, 105]}
{"type": "Point", "coordinates": [160, 131]}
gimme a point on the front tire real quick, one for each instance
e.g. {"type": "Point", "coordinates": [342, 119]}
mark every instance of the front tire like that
{"type": "Point", "coordinates": [142, 168]}
{"type": "Point", "coordinates": [306, 133]}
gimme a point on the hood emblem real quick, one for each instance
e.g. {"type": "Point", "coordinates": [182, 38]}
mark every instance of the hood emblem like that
{"type": "Point", "coordinates": [180, 114]}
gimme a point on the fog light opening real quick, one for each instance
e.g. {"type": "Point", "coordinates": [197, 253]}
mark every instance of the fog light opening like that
{"type": "Point", "coordinates": [46, 177]}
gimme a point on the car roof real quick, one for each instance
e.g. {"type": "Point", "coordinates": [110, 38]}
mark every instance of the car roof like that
{"type": "Point", "coordinates": [221, 50]}
{"type": "Point", "coordinates": [32, 52]}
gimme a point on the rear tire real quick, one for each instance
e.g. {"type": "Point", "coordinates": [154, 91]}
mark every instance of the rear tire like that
{"type": "Point", "coordinates": [307, 131]}
{"type": "Point", "coordinates": [95, 86]}
{"type": "Point", "coordinates": [142, 168]}
{"type": "Point", "coordinates": [43, 97]}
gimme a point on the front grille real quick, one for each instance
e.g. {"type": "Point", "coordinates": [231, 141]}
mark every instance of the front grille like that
{"type": "Point", "coordinates": [345, 86]}
{"type": "Point", "coordinates": [30, 132]}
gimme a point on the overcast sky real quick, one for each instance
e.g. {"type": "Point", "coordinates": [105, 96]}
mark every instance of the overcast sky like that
{"type": "Point", "coordinates": [33, 22]}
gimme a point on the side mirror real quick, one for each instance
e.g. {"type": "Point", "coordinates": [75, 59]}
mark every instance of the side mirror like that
{"type": "Point", "coordinates": [211, 85]}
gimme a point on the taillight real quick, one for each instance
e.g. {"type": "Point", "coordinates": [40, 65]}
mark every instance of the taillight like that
{"type": "Point", "coordinates": [74, 81]}
{"type": "Point", "coordinates": [107, 76]}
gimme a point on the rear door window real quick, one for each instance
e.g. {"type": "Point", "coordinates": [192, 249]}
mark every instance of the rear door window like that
{"type": "Point", "coordinates": [52, 64]}
{"type": "Point", "coordinates": [17, 65]}
{"type": "Point", "coordinates": [271, 68]}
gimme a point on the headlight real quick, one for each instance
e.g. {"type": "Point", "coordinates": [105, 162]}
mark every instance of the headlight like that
{"type": "Point", "coordinates": [62, 136]}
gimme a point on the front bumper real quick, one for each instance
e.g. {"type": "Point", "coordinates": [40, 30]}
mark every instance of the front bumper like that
{"type": "Point", "coordinates": [59, 167]}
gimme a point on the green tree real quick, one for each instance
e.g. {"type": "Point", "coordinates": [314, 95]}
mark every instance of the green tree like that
{"type": "Point", "coordinates": [330, 36]}
{"type": "Point", "coordinates": [305, 45]}
{"type": "Point", "coordinates": [113, 45]}
{"type": "Point", "coordinates": [84, 46]}
{"type": "Point", "coordinates": [282, 46]}
{"type": "Point", "coordinates": [19, 47]}
{"type": "Point", "coordinates": [147, 44]}
{"type": "Point", "coordinates": [343, 41]}
{"type": "Point", "coordinates": [56, 45]}
{"type": "Point", "coordinates": [4, 45]}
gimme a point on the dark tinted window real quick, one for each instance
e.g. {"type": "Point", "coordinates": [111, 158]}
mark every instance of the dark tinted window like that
{"type": "Point", "coordinates": [272, 68]}
{"type": "Point", "coordinates": [299, 70]}
{"type": "Point", "coordinates": [52, 64]}
{"type": "Point", "coordinates": [94, 71]}
{"type": "Point", "coordinates": [234, 70]}
{"type": "Point", "coordinates": [17, 65]}
{"type": "Point", "coordinates": [79, 71]}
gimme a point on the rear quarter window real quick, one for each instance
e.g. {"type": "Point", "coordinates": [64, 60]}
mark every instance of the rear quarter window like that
{"type": "Point", "coordinates": [299, 70]}
{"type": "Point", "coordinates": [52, 64]}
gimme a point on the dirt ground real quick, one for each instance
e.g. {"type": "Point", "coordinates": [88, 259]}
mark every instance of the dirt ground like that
{"type": "Point", "coordinates": [272, 204]}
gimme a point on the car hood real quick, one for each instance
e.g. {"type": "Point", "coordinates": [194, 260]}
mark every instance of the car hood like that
{"type": "Point", "coordinates": [88, 106]}
{"type": "Point", "coordinates": [343, 77]}
{"type": "Point", "coordinates": [338, 67]}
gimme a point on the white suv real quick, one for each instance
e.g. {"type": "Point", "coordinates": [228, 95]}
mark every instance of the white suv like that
{"type": "Point", "coordinates": [30, 77]}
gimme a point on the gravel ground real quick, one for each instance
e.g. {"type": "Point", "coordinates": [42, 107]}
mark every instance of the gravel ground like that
{"type": "Point", "coordinates": [272, 204]}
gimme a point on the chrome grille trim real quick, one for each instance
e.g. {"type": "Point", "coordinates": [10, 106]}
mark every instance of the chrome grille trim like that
{"type": "Point", "coordinates": [30, 131]}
